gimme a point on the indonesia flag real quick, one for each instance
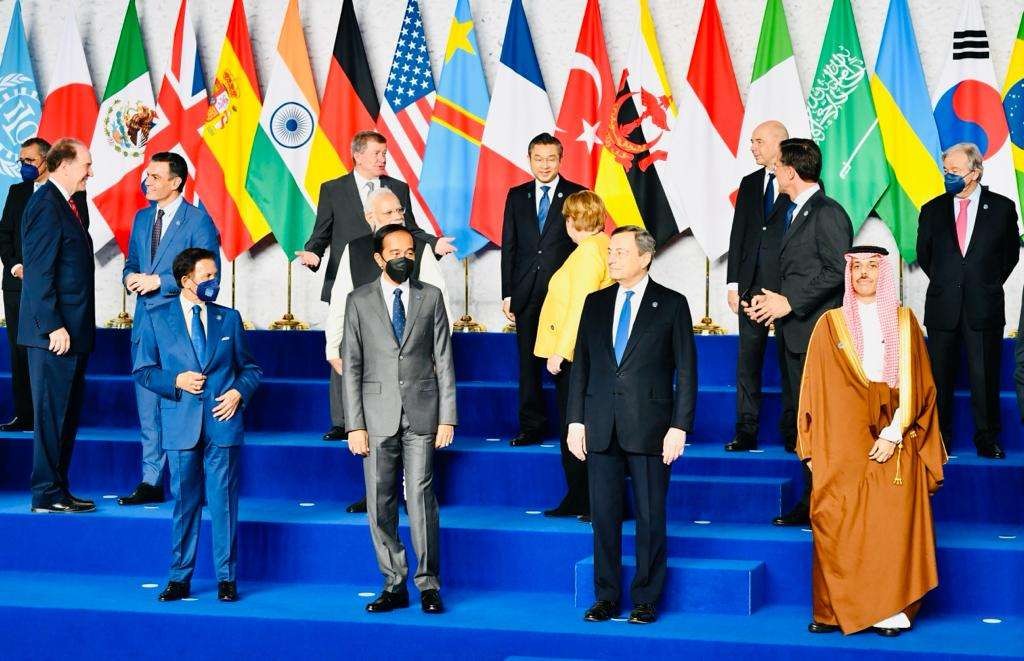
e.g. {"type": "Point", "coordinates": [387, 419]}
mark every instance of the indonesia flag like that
{"type": "Point", "coordinates": [519, 110]}
{"type": "Point", "coordinates": [70, 108]}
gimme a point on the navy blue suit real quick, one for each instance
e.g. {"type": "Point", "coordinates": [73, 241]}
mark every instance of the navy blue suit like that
{"type": "Point", "coordinates": [195, 442]}
{"type": "Point", "coordinates": [57, 292]}
{"type": "Point", "coordinates": [189, 228]}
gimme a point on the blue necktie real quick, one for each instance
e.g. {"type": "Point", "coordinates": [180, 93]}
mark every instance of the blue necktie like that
{"type": "Point", "coordinates": [622, 330]}
{"type": "Point", "coordinates": [542, 208]}
{"type": "Point", "coordinates": [398, 316]}
{"type": "Point", "coordinates": [198, 334]}
{"type": "Point", "coordinates": [769, 196]}
{"type": "Point", "coordinates": [789, 216]}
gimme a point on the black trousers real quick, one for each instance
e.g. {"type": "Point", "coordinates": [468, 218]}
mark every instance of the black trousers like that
{"type": "Point", "coordinates": [58, 388]}
{"type": "Point", "coordinates": [577, 495]}
{"type": "Point", "coordinates": [984, 350]}
{"type": "Point", "coordinates": [749, 364]}
{"type": "Point", "coordinates": [650, 479]}
{"type": "Point", "coordinates": [533, 418]}
{"type": "Point", "coordinates": [21, 390]}
{"type": "Point", "coordinates": [792, 366]}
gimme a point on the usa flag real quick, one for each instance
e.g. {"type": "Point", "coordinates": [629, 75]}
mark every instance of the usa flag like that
{"type": "Point", "coordinates": [407, 109]}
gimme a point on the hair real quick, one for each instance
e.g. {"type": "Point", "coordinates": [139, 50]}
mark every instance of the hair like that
{"type": "Point", "coordinates": [185, 262]}
{"type": "Point", "coordinates": [65, 149]}
{"type": "Point", "coordinates": [644, 240]}
{"type": "Point", "coordinates": [380, 191]}
{"type": "Point", "coordinates": [586, 209]}
{"type": "Point", "coordinates": [361, 139]}
{"type": "Point", "coordinates": [43, 145]}
{"type": "Point", "coordinates": [971, 151]}
{"type": "Point", "coordinates": [545, 139]}
{"type": "Point", "coordinates": [383, 233]}
{"type": "Point", "coordinates": [802, 155]}
{"type": "Point", "coordinates": [175, 163]}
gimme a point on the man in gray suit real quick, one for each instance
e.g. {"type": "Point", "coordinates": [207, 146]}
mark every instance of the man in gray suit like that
{"type": "Point", "coordinates": [399, 407]}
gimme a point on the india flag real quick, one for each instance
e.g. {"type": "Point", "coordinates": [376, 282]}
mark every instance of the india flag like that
{"type": "Point", "coordinates": [284, 140]}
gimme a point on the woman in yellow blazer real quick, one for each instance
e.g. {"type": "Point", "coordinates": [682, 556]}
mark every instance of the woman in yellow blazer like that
{"type": "Point", "coordinates": [584, 272]}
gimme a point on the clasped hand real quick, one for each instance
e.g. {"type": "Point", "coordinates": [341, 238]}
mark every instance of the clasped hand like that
{"type": "Point", "coordinates": [142, 283]}
{"type": "Point", "coordinates": [766, 307]}
{"type": "Point", "coordinates": [882, 450]}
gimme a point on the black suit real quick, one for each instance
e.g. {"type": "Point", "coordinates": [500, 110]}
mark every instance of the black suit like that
{"type": "Point", "coordinates": [964, 304]}
{"type": "Point", "coordinates": [627, 408]}
{"type": "Point", "coordinates": [58, 292]}
{"type": "Point", "coordinates": [340, 219]}
{"type": "Point", "coordinates": [529, 257]}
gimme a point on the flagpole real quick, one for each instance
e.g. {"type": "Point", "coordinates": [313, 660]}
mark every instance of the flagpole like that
{"type": "Point", "coordinates": [288, 321]}
{"type": "Point", "coordinates": [707, 326]}
{"type": "Point", "coordinates": [466, 323]}
{"type": "Point", "coordinates": [123, 319]}
{"type": "Point", "coordinates": [247, 325]}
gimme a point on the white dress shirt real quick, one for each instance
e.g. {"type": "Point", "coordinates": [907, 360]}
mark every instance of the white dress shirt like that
{"type": "Point", "coordinates": [388, 289]}
{"type": "Point", "coordinates": [634, 305]}
{"type": "Point", "coordinates": [735, 286]}
{"type": "Point", "coordinates": [186, 308]}
{"type": "Point", "coordinates": [873, 361]}
{"type": "Point", "coordinates": [972, 211]}
{"type": "Point", "coordinates": [361, 186]}
{"type": "Point", "coordinates": [539, 193]}
{"type": "Point", "coordinates": [63, 192]}
{"type": "Point", "coordinates": [801, 200]}
{"type": "Point", "coordinates": [169, 210]}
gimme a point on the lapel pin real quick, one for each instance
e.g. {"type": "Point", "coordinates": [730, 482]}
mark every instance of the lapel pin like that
{"type": "Point", "coordinates": [529, 195]}
{"type": "Point", "coordinates": [806, 213]}
{"type": "Point", "coordinates": [218, 317]}
{"type": "Point", "coordinates": [654, 304]}
{"type": "Point", "coordinates": [559, 195]}
{"type": "Point", "coordinates": [984, 206]}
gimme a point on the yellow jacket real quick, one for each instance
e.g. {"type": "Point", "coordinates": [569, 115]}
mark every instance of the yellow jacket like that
{"type": "Point", "coordinates": [584, 272]}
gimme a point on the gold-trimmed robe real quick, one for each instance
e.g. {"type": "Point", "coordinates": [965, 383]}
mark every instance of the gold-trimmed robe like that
{"type": "Point", "coordinates": [874, 541]}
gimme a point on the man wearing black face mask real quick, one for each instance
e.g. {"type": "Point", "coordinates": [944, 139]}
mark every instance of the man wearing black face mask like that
{"type": "Point", "coordinates": [967, 243]}
{"type": "Point", "coordinates": [34, 174]}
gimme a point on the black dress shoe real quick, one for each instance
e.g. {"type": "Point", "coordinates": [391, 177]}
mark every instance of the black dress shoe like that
{"type": "Point", "coordinates": [524, 439]}
{"type": "Point", "coordinates": [585, 518]}
{"type": "Point", "coordinates": [335, 434]}
{"type": "Point", "coordinates": [888, 632]}
{"type": "Point", "coordinates": [818, 627]}
{"type": "Point", "coordinates": [174, 591]}
{"type": "Point", "coordinates": [64, 506]}
{"type": "Point", "coordinates": [358, 507]}
{"type": "Point", "coordinates": [991, 451]}
{"type": "Point", "coordinates": [601, 611]}
{"type": "Point", "coordinates": [143, 495]}
{"type": "Point", "coordinates": [561, 512]}
{"type": "Point", "coordinates": [643, 614]}
{"type": "Point", "coordinates": [430, 601]}
{"type": "Point", "coordinates": [389, 601]}
{"type": "Point", "coordinates": [17, 424]}
{"type": "Point", "coordinates": [83, 502]}
{"type": "Point", "coordinates": [741, 443]}
{"type": "Point", "coordinates": [227, 591]}
{"type": "Point", "coordinates": [798, 516]}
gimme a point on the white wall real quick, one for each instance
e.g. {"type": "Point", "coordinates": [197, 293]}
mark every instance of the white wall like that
{"type": "Point", "coordinates": [261, 276]}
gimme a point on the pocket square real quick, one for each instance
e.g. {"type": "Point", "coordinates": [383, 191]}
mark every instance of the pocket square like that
{"type": "Point", "coordinates": [225, 338]}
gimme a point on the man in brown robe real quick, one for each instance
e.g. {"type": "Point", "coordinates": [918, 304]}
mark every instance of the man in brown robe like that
{"type": "Point", "coordinates": [868, 430]}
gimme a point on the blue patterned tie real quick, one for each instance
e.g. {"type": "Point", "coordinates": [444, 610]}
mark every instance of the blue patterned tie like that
{"type": "Point", "coordinates": [198, 334]}
{"type": "Point", "coordinates": [769, 196]}
{"type": "Point", "coordinates": [542, 208]}
{"type": "Point", "coordinates": [398, 316]}
{"type": "Point", "coordinates": [789, 216]}
{"type": "Point", "coordinates": [622, 330]}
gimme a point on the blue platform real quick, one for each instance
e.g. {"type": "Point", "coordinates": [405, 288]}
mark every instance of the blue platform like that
{"type": "Point", "coordinates": [515, 582]}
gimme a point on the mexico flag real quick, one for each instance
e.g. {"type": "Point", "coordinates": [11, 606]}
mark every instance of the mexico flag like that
{"type": "Point", "coordinates": [70, 108]}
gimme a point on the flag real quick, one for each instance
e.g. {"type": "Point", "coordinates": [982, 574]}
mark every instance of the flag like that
{"type": "Point", "coordinates": [231, 122]}
{"type": "Point", "coordinates": [277, 178]}
{"type": "Point", "coordinates": [19, 103]}
{"type": "Point", "coordinates": [349, 103]}
{"type": "Point", "coordinates": [908, 130]}
{"type": "Point", "coordinates": [639, 127]}
{"type": "Point", "coordinates": [70, 109]}
{"type": "Point", "coordinates": [518, 112]}
{"type": "Point", "coordinates": [775, 92]}
{"type": "Point", "coordinates": [708, 133]}
{"type": "Point", "coordinates": [843, 120]}
{"type": "Point", "coordinates": [1013, 105]}
{"type": "Point", "coordinates": [126, 119]}
{"type": "Point", "coordinates": [408, 106]}
{"type": "Point", "coordinates": [453, 143]}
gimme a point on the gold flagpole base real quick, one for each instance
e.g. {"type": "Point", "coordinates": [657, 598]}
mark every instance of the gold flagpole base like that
{"type": "Point", "coordinates": [3, 323]}
{"type": "Point", "coordinates": [289, 322]}
{"type": "Point", "coordinates": [122, 321]}
{"type": "Point", "coordinates": [467, 324]}
{"type": "Point", "coordinates": [248, 325]}
{"type": "Point", "coordinates": [1012, 334]}
{"type": "Point", "coordinates": [707, 326]}
{"type": "Point", "coordinates": [509, 327]}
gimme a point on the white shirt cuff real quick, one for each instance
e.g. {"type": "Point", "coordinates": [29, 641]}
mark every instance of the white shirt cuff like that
{"type": "Point", "coordinates": [576, 426]}
{"type": "Point", "coordinates": [732, 286]}
{"type": "Point", "coordinates": [892, 432]}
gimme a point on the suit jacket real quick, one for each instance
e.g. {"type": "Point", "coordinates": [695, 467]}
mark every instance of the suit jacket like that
{"type": "Point", "coordinates": [165, 351]}
{"type": "Point", "coordinates": [189, 228]}
{"type": "Point", "coordinates": [991, 255]}
{"type": "Point", "coordinates": [10, 228]}
{"type": "Point", "coordinates": [59, 286]}
{"type": "Point", "coordinates": [748, 221]}
{"type": "Point", "coordinates": [384, 377]}
{"type": "Point", "coordinates": [812, 267]}
{"type": "Point", "coordinates": [530, 257]}
{"type": "Point", "coordinates": [655, 386]}
{"type": "Point", "coordinates": [340, 219]}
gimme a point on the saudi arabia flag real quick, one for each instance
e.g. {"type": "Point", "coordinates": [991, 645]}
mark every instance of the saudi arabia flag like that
{"type": "Point", "coordinates": [843, 120]}
{"type": "Point", "coordinates": [775, 91]}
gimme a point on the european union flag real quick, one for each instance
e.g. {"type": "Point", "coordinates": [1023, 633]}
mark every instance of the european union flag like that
{"type": "Point", "coordinates": [453, 143]}
{"type": "Point", "coordinates": [19, 103]}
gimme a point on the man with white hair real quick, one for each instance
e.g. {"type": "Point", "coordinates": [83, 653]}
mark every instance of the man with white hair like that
{"type": "Point", "coordinates": [968, 244]}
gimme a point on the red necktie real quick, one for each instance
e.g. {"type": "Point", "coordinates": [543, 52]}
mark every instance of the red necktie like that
{"type": "Point", "coordinates": [961, 225]}
{"type": "Point", "coordinates": [74, 210]}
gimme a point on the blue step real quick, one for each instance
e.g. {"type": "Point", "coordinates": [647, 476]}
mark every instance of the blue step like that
{"type": "Point", "coordinates": [692, 585]}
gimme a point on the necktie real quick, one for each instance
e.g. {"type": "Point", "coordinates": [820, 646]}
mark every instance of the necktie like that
{"type": "Point", "coordinates": [74, 210]}
{"type": "Point", "coordinates": [398, 316]}
{"type": "Point", "coordinates": [369, 189]}
{"type": "Point", "coordinates": [769, 196]}
{"type": "Point", "coordinates": [198, 334]}
{"type": "Point", "coordinates": [158, 230]}
{"type": "Point", "coordinates": [622, 329]}
{"type": "Point", "coordinates": [542, 208]}
{"type": "Point", "coordinates": [961, 225]}
{"type": "Point", "coordinates": [789, 216]}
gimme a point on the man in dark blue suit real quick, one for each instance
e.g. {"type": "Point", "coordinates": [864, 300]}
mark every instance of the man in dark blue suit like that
{"type": "Point", "coordinates": [58, 320]}
{"type": "Point", "coordinates": [191, 353]}
{"type": "Point", "coordinates": [159, 233]}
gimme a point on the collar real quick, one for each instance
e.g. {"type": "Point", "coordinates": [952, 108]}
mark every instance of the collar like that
{"type": "Point", "coordinates": [388, 289]}
{"type": "Point", "coordinates": [186, 307]}
{"type": "Point", "coordinates": [554, 186]}
{"type": "Point", "coordinates": [60, 188]}
{"type": "Point", "coordinates": [802, 198]}
{"type": "Point", "coordinates": [171, 208]}
{"type": "Point", "coordinates": [361, 181]}
{"type": "Point", "coordinates": [638, 289]}
{"type": "Point", "coordinates": [974, 197]}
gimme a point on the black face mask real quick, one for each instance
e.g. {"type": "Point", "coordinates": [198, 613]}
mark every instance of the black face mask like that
{"type": "Point", "coordinates": [399, 269]}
